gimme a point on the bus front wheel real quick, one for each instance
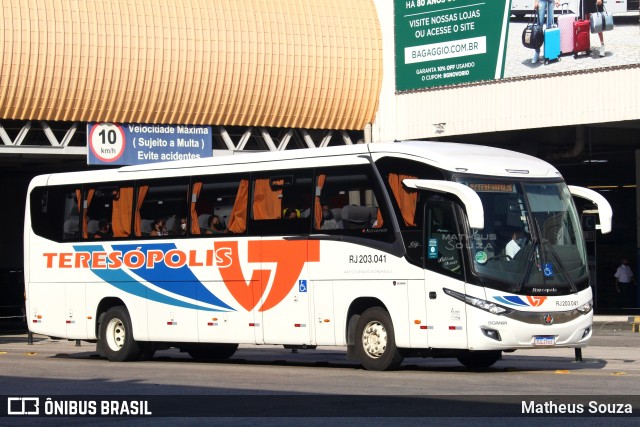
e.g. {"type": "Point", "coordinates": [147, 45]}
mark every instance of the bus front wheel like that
{"type": "Point", "coordinates": [116, 336]}
{"type": "Point", "coordinates": [375, 341]}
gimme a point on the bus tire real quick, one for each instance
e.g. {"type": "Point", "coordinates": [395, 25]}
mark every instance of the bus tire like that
{"type": "Point", "coordinates": [375, 341]}
{"type": "Point", "coordinates": [212, 351]}
{"type": "Point", "coordinates": [479, 359]}
{"type": "Point", "coordinates": [116, 336]}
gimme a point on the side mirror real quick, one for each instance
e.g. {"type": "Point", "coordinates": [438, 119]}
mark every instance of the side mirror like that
{"type": "Point", "coordinates": [470, 199]}
{"type": "Point", "coordinates": [605, 213]}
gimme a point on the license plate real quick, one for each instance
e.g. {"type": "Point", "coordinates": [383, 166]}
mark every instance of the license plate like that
{"type": "Point", "coordinates": [544, 340]}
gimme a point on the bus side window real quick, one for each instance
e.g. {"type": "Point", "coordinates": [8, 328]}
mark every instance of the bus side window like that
{"type": "Point", "coordinates": [281, 203]}
{"type": "Point", "coordinates": [443, 239]}
{"type": "Point", "coordinates": [107, 211]}
{"type": "Point", "coordinates": [162, 202]}
{"type": "Point", "coordinates": [98, 210]}
{"type": "Point", "coordinates": [72, 208]}
{"type": "Point", "coordinates": [55, 213]}
{"type": "Point", "coordinates": [405, 200]}
{"type": "Point", "coordinates": [224, 197]}
{"type": "Point", "coordinates": [346, 201]}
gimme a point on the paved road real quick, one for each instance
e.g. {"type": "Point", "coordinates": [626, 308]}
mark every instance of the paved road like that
{"type": "Point", "coordinates": [324, 380]}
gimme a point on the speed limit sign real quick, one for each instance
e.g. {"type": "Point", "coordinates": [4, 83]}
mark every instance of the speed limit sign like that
{"type": "Point", "coordinates": [107, 141]}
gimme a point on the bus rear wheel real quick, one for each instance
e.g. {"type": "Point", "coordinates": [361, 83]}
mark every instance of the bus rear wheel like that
{"type": "Point", "coordinates": [116, 336]}
{"type": "Point", "coordinates": [375, 341]}
{"type": "Point", "coordinates": [212, 351]}
{"type": "Point", "coordinates": [479, 359]}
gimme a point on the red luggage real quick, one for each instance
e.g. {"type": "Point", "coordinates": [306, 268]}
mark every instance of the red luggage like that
{"type": "Point", "coordinates": [581, 37]}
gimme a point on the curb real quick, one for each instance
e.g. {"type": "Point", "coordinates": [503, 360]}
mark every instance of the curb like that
{"type": "Point", "coordinates": [610, 319]}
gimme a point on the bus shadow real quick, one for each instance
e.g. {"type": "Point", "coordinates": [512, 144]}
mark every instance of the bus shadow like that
{"type": "Point", "coordinates": [337, 360]}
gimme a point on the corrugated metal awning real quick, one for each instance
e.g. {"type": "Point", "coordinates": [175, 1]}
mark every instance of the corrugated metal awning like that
{"type": "Point", "coordinates": [274, 63]}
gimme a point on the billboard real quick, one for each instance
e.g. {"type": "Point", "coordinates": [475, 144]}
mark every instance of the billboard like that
{"type": "Point", "coordinates": [449, 42]}
{"type": "Point", "coordinates": [444, 42]}
{"type": "Point", "coordinates": [132, 144]}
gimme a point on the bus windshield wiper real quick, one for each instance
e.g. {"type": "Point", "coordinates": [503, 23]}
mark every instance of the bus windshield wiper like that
{"type": "Point", "coordinates": [529, 260]}
{"type": "Point", "coordinates": [563, 270]}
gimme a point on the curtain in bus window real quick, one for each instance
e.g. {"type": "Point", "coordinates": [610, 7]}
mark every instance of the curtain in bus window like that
{"type": "Point", "coordinates": [79, 199]}
{"type": "Point", "coordinates": [267, 202]}
{"type": "Point", "coordinates": [121, 215]}
{"type": "Point", "coordinates": [142, 192]}
{"type": "Point", "coordinates": [195, 193]}
{"type": "Point", "coordinates": [379, 220]}
{"type": "Point", "coordinates": [406, 198]}
{"type": "Point", "coordinates": [318, 206]}
{"type": "Point", "coordinates": [238, 215]}
{"type": "Point", "coordinates": [85, 220]}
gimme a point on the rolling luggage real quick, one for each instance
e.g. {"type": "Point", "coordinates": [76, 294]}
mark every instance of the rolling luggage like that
{"type": "Point", "coordinates": [565, 23]}
{"type": "Point", "coordinates": [581, 36]}
{"type": "Point", "coordinates": [551, 44]}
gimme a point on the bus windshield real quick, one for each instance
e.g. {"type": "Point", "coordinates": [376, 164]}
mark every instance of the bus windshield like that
{"type": "Point", "coordinates": [532, 241]}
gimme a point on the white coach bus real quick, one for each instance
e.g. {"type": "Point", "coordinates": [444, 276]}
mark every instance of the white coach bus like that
{"type": "Point", "coordinates": [392, 250]}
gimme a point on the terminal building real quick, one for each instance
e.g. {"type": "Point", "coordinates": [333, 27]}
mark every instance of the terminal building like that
{"type": "Point", "coordinates": [303, 74]}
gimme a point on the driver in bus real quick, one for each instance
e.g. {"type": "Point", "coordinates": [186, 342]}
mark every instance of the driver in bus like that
{"type": "Point", "coordinates": [515, 244]}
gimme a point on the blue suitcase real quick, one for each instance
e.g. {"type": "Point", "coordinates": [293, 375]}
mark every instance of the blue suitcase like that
{"type": "Point", "coordinates": [551, 44]}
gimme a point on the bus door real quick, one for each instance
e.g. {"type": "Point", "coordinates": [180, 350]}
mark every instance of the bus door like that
{"type": "Point", "coordinates": [285, 305]}
{"type": "Point", "coordinates": [235, 286]}
{"type": "Point", "coordinates": [444, 242]}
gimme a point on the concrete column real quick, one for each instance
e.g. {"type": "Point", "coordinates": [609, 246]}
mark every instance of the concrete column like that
{"type": "Point", "coordinates": [368, 133]}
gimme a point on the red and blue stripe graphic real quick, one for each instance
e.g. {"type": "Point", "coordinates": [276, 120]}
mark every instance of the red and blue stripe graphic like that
{"type": "Point", "coordinates": [179, 281]}
{"type": "Point", "coordinates": [514, 300]}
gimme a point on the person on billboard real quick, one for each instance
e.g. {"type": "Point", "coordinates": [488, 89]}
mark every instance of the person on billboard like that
{"type": "Point", "coordinates": [544, 9]}
{"type": "Point", "coordinates": [593, 6]}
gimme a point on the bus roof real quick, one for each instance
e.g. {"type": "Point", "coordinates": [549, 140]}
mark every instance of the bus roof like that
{"type": "Point", "coordinates": [473, 159]}
{"type": "Point", "coordinates": [455, 157]}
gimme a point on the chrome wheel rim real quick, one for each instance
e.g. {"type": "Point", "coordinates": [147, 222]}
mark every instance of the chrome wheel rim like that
{"type": "Point", "coordinates": [374, 339]}
{"type": "Point", "coordinates": [116, 334]}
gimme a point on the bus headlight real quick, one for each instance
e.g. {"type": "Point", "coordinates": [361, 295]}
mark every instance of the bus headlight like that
{"type": "Point", "coordinates": [585, 308]}
{"type": "Point", "coordinates": [479, 303]}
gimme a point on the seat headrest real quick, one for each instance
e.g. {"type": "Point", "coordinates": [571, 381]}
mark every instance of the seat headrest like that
{"type": "Point", "coordinates": [203, 220]}
{"type": "Point", "coordinates": [358, 215]}
{"type": "Point", "coordinates": [71, 225]}
{"type": "Point", "coordinates": [146, 225]}
{"type": "Point", "coordinates": [93, 226]}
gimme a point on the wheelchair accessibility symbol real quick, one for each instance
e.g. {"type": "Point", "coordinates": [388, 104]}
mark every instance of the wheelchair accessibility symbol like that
{"type": "Point", "coordinates": [548, 270]}
{"type": "Point", "coordinates": [302, 285]}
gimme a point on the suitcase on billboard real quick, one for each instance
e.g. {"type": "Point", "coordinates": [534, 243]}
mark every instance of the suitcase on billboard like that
{"type": "Point", "coordinates": [565, 23]}
{"type": "Point", "coordinates": [551, 44]}
{"type": "Point", "coordinates": [581, 35]}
